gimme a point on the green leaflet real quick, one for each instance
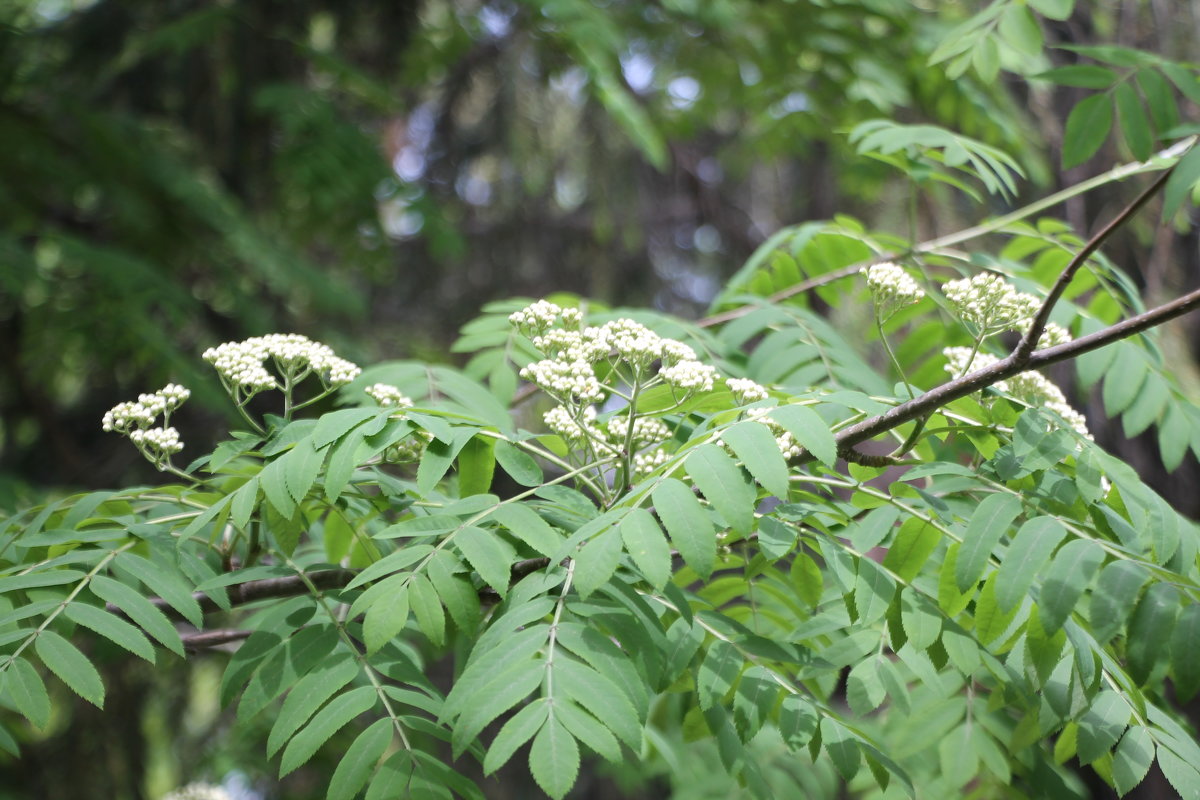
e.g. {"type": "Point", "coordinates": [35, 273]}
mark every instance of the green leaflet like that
{"type": "Point", "coordinates": [874, 590]}
{"type": "Point", "coordinates": [427, 608]}
{"type": "Point", "coordinates": [1132, 759]}
{"type": "Point", "coordinates": [989, 523]}
{"type": "Point", "coordinates": [519, 465]}
{"type": "Point", "coordinates": [647, 546]}
{"type": "Point", "coordinates": [588, 730]}
{"type": "Point", "coordinates": [724, 485]}
{"type": "Point", "coordinates": [489, 554]}
{"type": "Point", "coordinates": [502, 690]}
{"type": "Point", "coordinates": [717, 673]}
{"type": "Point", "coordinates": [686, 522]}
{"type": "Point", "coordinates": [387, 616]}
{"type": "Point", "coordinates": [597, 560]}
{"type": "Point", "coordinates": [1117, 590]}
{"type": "Point", "coordinates": [753, 443]}
{"type": "Point", "coordinates": [554, 759]}
{"type": "Point", "coordinates": [147, 616]}
{"type": "Point", "coordinates": [358, 762]}
{"type": "Point", "coordinates": [1101, 726]}
{"type": "Point", "coordinates": [518, 730]}
{"type": "Point", "coordinates": [528, 526]}
{"type": "Point", "coordinates": [602, 697]}
{"type": "Point", "coordinates": [167, 584]}
{"type": "Point", "coordinates": [112, 628]}
{"type": "Point", "coordinates": [810, 431]}
{"type": "Point", "coordinates": [1069, 574]}
{"type": "Point", "coordinates": [309, 694]}
{"type": "Point", "coordinates": [27, 691]}
{"type": "Point", "coordinates": [1185, 653]}
{"type": "Point", "coordinates": [65, 661]}
{"type": "Point", "coordinates": [329, 720]}
{"type": "Point", "coordinates": [1029, 552]}
{"type": "Point", "coordinates": [1087, 127]}
{"type": "Point", "coordinates": [1150, 630]}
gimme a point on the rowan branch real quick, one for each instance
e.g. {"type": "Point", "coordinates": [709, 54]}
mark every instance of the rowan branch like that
{"type": "Point", "coordinates": [202, 640]}
{"type": "Point", "coordinates": [1007, 367]}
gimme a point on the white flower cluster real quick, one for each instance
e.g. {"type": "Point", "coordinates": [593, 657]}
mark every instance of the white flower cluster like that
{"type": "Point", "coordinates": [133, 419]}
{"type": "Point", "coordinates": [387, 395]}
{"type": "Point", "coordinates": [745, 390]}
{"type": "Point", "coordinates": [990, 302]}
{"type": "Point", "coordinates": [891, 288]}
{"type": "Point", "coordinates": [242, 365]}
{"type": "Point", "coordinates": [560, 420]}
{"type": "Point", "coordinates": [568, 372]}
{"type": "Point", "coordinates": [1031, 387]}
{"type": "Point", "coordinates": [198, 791]}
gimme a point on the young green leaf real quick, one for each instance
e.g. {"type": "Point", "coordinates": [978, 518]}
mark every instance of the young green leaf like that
{"type": "Point", "coordinates": [386, 617]}
{"type": "Point", "coordinates": [841, 746]}
{"type": "Point", "coordinates": [915, 541]}
{"type": "Point", "coordinates": [717, 673]}
{"type": "Point", "coordinates": [306, 697]}
{"type": "Point", "coordinates": [601, 696]}
{"type": "Point", "coordinates": [65, 661]}
{"type": "Point", "coordinates": [168, 584]}
{"type": "Point", "coordinates": [1132, 759]}
{"type": "Point", "coordinates": [874, 591]}
{"type": "Point", "coordinates": [519, 465]}
{"type": "Point", "coordinates": [427, 608]}
{"type": "Point", "coordinates": [1116, 593]}
{"type": "Point", "coordinates": [1135, 126]}
{"type": "Point", "coordinates": [810, 431]}
{"type": "Point", "coordinates": [1101, 725]}
{"type": "Point", "coordinates": [584, 727]}
{"type": "Point", "coordinates": [476, 466]}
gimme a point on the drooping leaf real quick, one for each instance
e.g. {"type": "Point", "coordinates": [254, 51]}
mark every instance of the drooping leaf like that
{"type": "Point", "coordinates": [308, 695]}
{"type": "Point", "coordinates": [1101, 726]}
{"type": "Point", "coordinates": [1132, 759]}
{"type": "Point", "coordinates": [1185, 653]}
{"type": "Point", "coordinates": [519, 465]}
{"type": "Point", "coordinates": [717, 673]}
{"type": "Point", "coordinates": [1149, 632]}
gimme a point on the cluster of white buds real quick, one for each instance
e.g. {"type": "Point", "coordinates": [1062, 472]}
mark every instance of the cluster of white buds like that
{"type": "Point", "coordinates": [1031, 387]}
{"type": "Point", "coordinates": [198, 791]}
{"type": "Point", "coordinates": [990, 303]}
{"type": "Point", "coordinates": [746, 391]}
{"type": "Point", "coordinates": [242, 365]}
{"type": "Point", "coordinates": [646, 430]}
{"type": "Point", "coordinates": [891, 288]}
{"type": "Point", "coordinates": [134, 420]}
{"type": "Point", "coordinates": [1053, 334]}
{"type": "Point", "coordinates": [647, 462]}
{"type": "Point", "coordinates": [542, 315]}
{"type": "Point", "coordinates": [387, 395]}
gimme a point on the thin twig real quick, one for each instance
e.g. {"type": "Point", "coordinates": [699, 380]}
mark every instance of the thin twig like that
{"type": "Point", "coordinates": [202, 640]}
{"type": "Point", "coordinates": [1030, 340]}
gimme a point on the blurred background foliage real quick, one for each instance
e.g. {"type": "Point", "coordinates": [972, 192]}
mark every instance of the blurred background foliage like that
{"type": "Point", "coordinates": [178, 173]}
